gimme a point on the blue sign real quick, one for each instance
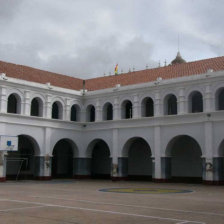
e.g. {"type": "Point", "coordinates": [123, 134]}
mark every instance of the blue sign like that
{"type": "Point", "coordinates": [9, 143]}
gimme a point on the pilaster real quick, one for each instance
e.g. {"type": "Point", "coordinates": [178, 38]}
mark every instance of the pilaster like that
{"type": "Point", "coordinates": [136, 107]}
{"type": "Point", "coordinates": [116, 110]}
{"type": "Point", "coordinates": [181, 102]}
{"type": "Point", "coordinates": [27, 104]}
{"type": "Point", "coordinates": [158, 105]}
{"type": "Point", "coordinates": [98, 111]}
{"type": "Point", "coordinates": [3, 100]}
{"type": "Point", "coordinates": [67, 113]}
{"type": "Point", "coordinates": [48, 106]}
{"type": "Point", "coordinates": [208, 100]}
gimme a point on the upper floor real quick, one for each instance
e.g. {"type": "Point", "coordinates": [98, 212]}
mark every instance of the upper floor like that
{"type": "Point", "coordinates": [183, 95]}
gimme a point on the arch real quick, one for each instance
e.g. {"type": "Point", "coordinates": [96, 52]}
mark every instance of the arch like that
{"type": "Point", "coordinates": [126, 109]}
{"type": "Point", "coordinates": [14, 104]}
{"type": "Point", "coordinates": [195, 100]}
{"type": "Point", "coordinates": [184, 155]}
{"type": "Point", "coordinates": [219, 99]}
{"type": "Point", "coordinates": [75, 112]}
{"type": "Point", "coordinates": [147, 107]}
{"type": "Point", "coordinates": [90, 113]}
{"type": "Point", "coordinates": [36, 108]}
{"type": "Point", "coordinates": [139, 153]}
{"type": "Point", "coordinates": [170, 104]}
{"type": "Point", "coordinates": [24, 158]}
{"type": "Point", "coordinates": [101, 161]}
{"type": "Point", "coordinates": [107, 111]}
{"type": "Point", "coordinates": [62, 161]}
{"type": "Point", "coordinates": [57, 110]}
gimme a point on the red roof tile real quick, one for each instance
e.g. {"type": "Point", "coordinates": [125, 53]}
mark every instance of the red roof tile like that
{"type": "Point", "coordinates": [148, 75]}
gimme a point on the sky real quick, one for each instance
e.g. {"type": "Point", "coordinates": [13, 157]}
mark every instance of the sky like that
{"type": "Point", "coordinates": [87, 38]}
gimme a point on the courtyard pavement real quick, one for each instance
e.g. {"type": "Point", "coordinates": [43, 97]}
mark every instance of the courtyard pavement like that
{"type": "Point", "coordinates": [82, 202]}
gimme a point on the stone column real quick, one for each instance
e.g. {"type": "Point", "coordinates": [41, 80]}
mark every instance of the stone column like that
{"type": "Point", "coordinates": [181, 102]}
{"type": "Point", "coordinates": [43, 166]}
{"type": "Point", "coordinates": [208, 157]}
{"type": "Point", "coordinates": [81, 168]}
{"type": "Point", "coordinates": [136, 107]}
{"type": "Point", "coordinates": [3, 166]}
{"type": "Point", "coordinates": [158, 105]}
{"type": "Point", "coordinates": [27, 104]}
{"type": "Point", "coordinates": [157, 175]}
{"type": "Point", "coordinates": [115, 148]}
{"type": "Point", "coordinates": [48, 106]}
{"type": "Point", "coordinates": [3, 100]}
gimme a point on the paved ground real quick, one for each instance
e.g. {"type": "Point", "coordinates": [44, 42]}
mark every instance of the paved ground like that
{"type": "Point", "coordinates": [81, 202]}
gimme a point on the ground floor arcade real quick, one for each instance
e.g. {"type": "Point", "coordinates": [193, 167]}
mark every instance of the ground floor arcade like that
{"type": "Point", "coordinates": [183, 161]}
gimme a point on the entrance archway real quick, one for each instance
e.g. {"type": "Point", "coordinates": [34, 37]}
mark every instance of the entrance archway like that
{"type": "Point", "coordinates": [185, 159]}
{"type": "Point", "coordinates": [221, 162]}
{"type": "Point", "coordinates": [139, 154]}
{"type": "Point", "coordinates": [21, 164]}
{"type": "Point", "coordinates": [62, 161]}
{"type": "Point", "coordinates": [101, 161]}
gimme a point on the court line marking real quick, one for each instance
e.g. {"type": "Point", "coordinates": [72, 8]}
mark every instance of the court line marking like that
{"type": "Point", "coordinates": [21, 208]}
{"type": "Point", "coordinates": [134, 206]}
{"type": "Point", "coordinates": [102, 211]}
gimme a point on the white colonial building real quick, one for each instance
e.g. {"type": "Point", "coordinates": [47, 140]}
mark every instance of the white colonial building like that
{"type": "Point", "coordinates": [162, 124]}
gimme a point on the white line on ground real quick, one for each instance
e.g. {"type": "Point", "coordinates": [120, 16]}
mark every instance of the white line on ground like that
{"type": "Point", "coordinates": [101, 211]}
{"type": "Point", "coordinates": [134, 206]}
{"type": "Point", "coordinates": [182, 222]}
{"type": "Point", "coordinates": [21, 208]}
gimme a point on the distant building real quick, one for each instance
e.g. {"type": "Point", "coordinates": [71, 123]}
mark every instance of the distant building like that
{"type": "Point", "coordinates": [164, 124]}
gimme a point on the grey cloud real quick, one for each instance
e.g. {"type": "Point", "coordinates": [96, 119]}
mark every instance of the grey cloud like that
{"type": "Point", "coordinates": [102, 57]}
{"type": "Point", "coordinates": [87, 38]}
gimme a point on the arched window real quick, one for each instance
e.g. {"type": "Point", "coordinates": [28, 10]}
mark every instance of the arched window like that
{"type": "Point", "coordinates": [36, 107]}
{"type": "Point", "coordinates": [75, 113]}
{"type": "Point", "coordinates": [147, 107]}
{"type": "Point", "coordinates": [220, 99]}
{"type": "Point", "coordinates": [13, 105]}
{"type": "Point", "coordinates": [126, 109]}
{"type": "Point", "coordinates": [170, 105]}
{"type": "Point", "coordinates": [57, 110]}
{"type": "Point", "coordinates": [196, 102]}
{"type": "Point", "coordinates": [108, 112]}
{"type": "Point", "coordinates": [90, 113]}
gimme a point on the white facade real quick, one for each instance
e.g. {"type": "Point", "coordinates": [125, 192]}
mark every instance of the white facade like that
{"type": "Point", "coordinates": [162, 136]}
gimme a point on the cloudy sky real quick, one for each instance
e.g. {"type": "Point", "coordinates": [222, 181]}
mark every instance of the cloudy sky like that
{"type": "Point", "coordinates": [86, 38]}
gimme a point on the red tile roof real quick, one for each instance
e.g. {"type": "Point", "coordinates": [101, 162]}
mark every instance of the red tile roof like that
{"type": "Point", "coordinates": [40, 76]}
{"type": "Point", "coordinates": [148, 75]}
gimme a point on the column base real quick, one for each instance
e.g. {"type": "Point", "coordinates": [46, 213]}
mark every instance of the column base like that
{"type": "Point", "coordinates": [2, 179]}
{"type": "Point", "coordinates": [214, 182]}
{"type": "Point", "coordinates": [119, 178]}
{"type": "Point", "coordinates": [82, 177]}
{"type": "Point", "coordinates": [161, 180]}
{"type": "Point", "coordinates": [43, 178]}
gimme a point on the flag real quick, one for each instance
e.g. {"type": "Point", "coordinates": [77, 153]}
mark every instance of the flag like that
{"type": "Point", "coordinates": [116, 69]}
